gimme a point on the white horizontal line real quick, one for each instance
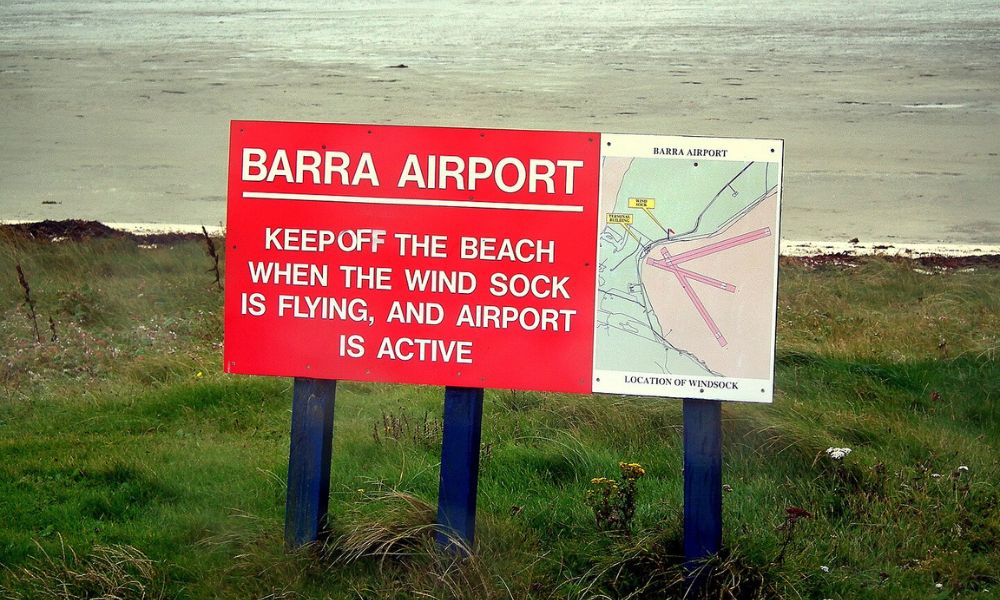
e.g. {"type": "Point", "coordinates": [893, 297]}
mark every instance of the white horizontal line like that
{"type": "Point", "coordinates": [413, 202]}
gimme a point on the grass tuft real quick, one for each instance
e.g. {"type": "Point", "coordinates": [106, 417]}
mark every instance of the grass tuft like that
{"type": "Point", "coordinates": [118, 572]}
{"type": "Point", "coordinates": [401, 541]}
{"type": "Point", "coordinates": [652, 566]}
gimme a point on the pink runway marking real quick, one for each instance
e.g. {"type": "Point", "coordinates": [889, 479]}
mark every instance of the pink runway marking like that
{"type": "Point", "coordinates": [698, 305]}
{"type": "Point", "coordinates": [672, 264]}
{"type": "Point", "coordinates": [726, 244]}
{"type": "Point", "coordinates": [712, 281]}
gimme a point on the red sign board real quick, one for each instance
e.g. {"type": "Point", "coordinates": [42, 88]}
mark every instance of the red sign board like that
{"type": "Point", "coordinates": [460, 257]}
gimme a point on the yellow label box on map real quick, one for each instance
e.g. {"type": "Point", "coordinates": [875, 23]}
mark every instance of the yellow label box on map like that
{"type": "Point", "coordinates": [642, 203]}
{"type": "Point", "coordinates": [619, 219]}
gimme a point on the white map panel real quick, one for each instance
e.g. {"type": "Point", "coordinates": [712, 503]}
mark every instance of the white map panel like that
{"type": "Point", "coordinates": [687, 267]}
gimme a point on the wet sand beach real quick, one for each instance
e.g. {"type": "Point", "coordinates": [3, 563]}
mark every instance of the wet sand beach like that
{"type": "Point", "coordinates": [891, 117]}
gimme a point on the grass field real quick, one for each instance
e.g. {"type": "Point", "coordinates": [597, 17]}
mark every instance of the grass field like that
{"type": "Point", "coordinates": [132, 467]}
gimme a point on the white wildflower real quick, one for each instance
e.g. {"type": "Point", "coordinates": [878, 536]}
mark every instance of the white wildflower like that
{"type": "Point", "coordinates": [824, 568]}
{"type": "Point", "coordinates": [936, 475]}
{"type": "Point", "coordinates": [837, 453]}
{"type": "Point", "coordinates": [939, 585]}
{"type": "Point", "coordinates": [963, 468]}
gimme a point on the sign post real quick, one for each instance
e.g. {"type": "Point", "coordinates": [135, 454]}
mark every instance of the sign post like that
{"type": "Point", "coordinates": [308, 494]}
{"type": "Point", "coordinates": [702, 481]}
{"type": "Point", "coordinates": [462, 427]}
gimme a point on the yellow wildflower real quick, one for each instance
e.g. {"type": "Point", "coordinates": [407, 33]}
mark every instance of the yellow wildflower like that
{"type": "Point", "coordinates": [632, 470]}
{"type": "Point", "coordinates": [602, 481]}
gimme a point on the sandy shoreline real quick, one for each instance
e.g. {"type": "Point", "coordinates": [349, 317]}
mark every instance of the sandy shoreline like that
{"type": "Point", "coordinates": [790, 248]}
{"type": "Point", "coordinates": [909, 250]}
{"type": "Point", "coordinates": [887, 140]}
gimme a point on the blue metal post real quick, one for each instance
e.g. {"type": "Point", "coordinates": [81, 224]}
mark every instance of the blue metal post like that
{"type": "Point", "coordinates": [463, 420]}
{"type": "Point", "coordinates": [702, 480]}
{"type": "Point", "coordinates": [308, 494]}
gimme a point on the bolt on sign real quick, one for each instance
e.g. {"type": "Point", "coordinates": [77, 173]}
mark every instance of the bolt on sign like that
{"type": "Point", "coordinates": [537, 260]}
